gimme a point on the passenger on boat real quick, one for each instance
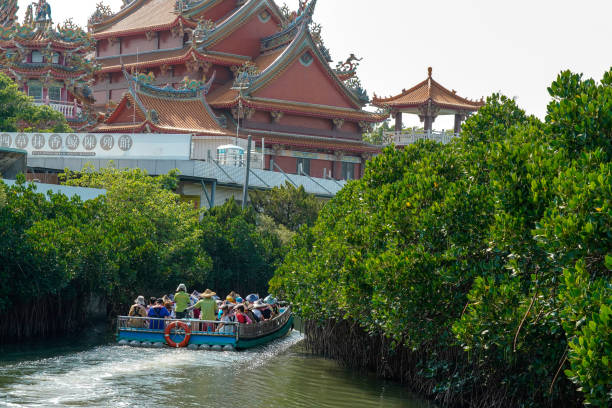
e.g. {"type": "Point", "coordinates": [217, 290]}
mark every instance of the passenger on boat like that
{"type": "Point", "coordinates": [273, 302]}
{"type": "Point", "coordinates": [152, 300]}
{"type": "Point", "coordinates": [168, 304]}
{"type": "Point", "coordinates": [241, 317]}
{"type": "Point", "coordinates": [208, 309]}
{"type": "Point", "coordinates": [256, 313]}
{"type": "Point", "coordinates": [226, 317]}
{"type": "Point", "coordinates": [264, 309]}
{"type": "Point", "coordinates": [160, 312]}
{"type": "Point", "coordinates": [181, 301]}
{"type": "Point", "coordinates": [138, 309]}
{"type": "Point", "coordinates": [248, 310]}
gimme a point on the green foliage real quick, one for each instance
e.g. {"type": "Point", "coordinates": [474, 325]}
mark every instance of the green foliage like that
{"type": "Point", "coordinates": [244, 255]}
{"type": "Point", "coordinates": [377, 136]}
{"type": "Point", "coordinates": [18, 113]}
{"type": "Point", "coordinates": [287, 205]}
{"type": "Point", "coordinates": [146, 239]}
{"type": "Point", "coordinates": [136, 239]}
{"type": "Point", "coordinates": [466, 244]}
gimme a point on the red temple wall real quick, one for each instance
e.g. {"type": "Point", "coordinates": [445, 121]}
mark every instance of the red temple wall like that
{"type": "Point", "coordinates": [317, 167]}
{"type": "Point", "coordinates": [306, 122]}
{"type": "Point", "coordinates": [219, 11]}
{"type": "Point", "coordinates": [167, 40]}
{"type": "Point", "coordinates": [247, 39]}
{"type": "Point", "coordinates": [137, 44]}
{"type": "Point", "coordinates": [305, 84]}
{"type": "Point", "coordinates": [105, 49]}
{"type": "Point", "coordinates": [288, 164]}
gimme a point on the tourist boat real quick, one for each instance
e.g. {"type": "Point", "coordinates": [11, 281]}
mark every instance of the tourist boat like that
{"type": "Point", "coordinates": [201, 334]}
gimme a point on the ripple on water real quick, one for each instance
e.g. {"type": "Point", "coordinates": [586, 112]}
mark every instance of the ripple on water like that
{"type": "Point", "coordinates": [278, 374]}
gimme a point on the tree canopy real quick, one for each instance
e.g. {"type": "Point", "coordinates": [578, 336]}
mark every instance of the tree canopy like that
{"type": "Point", "coordinates": [19, 114]}
{"type": "Point", "coordinates": [498, 243]}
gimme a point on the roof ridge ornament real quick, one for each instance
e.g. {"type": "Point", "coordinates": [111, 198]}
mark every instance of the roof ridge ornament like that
{"type": "Point", "coordinates": [429, 72]}
{"type": "Point", "coordinates": [8, 12]}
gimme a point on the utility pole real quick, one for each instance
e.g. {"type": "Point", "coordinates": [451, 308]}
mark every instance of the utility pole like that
{"type": "Point", "coordinates": [245, 191]}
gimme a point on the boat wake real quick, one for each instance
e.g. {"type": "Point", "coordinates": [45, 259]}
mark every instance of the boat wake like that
{"type": "Point", "coordinates": [121, 375]}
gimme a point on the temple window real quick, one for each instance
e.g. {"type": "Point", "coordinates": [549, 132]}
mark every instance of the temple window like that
{"type": "Point", "coordinates": [304, 164]}
{"type": "Point", "coordinates": [35, 90]}
{"type": "Point", "coordinates": [37, 57]}
{"type": "Point", "coordinates": [55, 58]}
{"type": "Point", "coordinates": [55, 93]}
{"type": "Point", "coordinates": [348, 171]}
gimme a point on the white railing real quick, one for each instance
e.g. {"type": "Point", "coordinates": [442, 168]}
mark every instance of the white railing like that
{"type": "Point", "coordinates": [408, 137]}
{"type": "Point", "coordinates": [69, 109]}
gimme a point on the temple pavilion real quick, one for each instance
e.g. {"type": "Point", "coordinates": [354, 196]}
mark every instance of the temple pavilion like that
{"type": "Point", "coordinates": [243, 68]}
{"type": "Point", "coordinates": [48, 63]}
{"type": "Point", "coordinates": [428, 99]}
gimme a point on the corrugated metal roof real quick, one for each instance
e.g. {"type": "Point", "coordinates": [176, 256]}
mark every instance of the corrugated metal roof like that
{"type": "Point", "coordinates": [224, 175]}
{"type": "Point", "coordinates": [82, 192]}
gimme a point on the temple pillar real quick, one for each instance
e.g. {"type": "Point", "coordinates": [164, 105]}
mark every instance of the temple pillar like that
{"type": "Point", "coordinates": [337, 171]}
{"type": "Point", "coordinates": [398, 121]}
{"type": "Point", "coordinates": [428, 122]}
{"type": "Point", "coordinates": [459, 118]}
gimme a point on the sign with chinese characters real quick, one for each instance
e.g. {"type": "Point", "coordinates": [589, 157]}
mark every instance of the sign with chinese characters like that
{"type": "Point", "coordinates": [150, 146]}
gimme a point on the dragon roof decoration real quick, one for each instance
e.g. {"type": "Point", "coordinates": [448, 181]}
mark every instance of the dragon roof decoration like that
{"type": "Point", "coordinates": [8, 12]}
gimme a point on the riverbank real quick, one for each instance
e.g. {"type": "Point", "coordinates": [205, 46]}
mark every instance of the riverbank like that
{"type": "Point", "coordinates": [91, 371]}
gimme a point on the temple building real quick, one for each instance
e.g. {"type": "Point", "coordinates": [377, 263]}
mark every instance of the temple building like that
{"type": "Point", "coordinates": [428, 99]}
{"type": "Point", "coordinates": [48, 63]}
{"type": "Point", "coordinates": [225, 69]}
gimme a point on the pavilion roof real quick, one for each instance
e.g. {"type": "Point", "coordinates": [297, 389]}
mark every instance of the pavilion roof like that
{"type": "Point", "coordinates": [165, 110]}
{"type": "Point", "coordinates": [165, 57]}
{"type": "Point", "coordinates": [140, 16]}
{"type": "Point", "coordinates": [428, 90]}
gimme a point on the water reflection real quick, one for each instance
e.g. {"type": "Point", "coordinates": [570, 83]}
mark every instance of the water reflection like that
{"type": "Point", "coordinates": [277, 375]}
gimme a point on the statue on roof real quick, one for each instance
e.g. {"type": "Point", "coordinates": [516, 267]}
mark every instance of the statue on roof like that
{"type": "Point", "coordinates": [203, 30]}
{"type": "Point", "coordinates": [43, 11]}
{"type": "Point", "coordinates": [350, 65]}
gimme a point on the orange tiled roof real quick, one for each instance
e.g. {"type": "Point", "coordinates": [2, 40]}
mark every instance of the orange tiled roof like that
{"type": "Point", "coordinates": [185, 115]}
{"type": "Point", "coordinates": [424, 91]}
{"type": "Point", "coordinates": [153, 15]}
{"type": "Point", "coordinates": [174, 115]}
{"type": "Point", "coordinates": [168, 57]}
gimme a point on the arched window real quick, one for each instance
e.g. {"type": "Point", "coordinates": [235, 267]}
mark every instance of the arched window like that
{"type": "Point", "coordinates": [37, 57]}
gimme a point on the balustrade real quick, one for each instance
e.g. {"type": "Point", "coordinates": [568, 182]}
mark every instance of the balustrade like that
{"type": "Point", "coordinates": [408, 137]}
{"type": "Point", "coordinates": [70, 110]}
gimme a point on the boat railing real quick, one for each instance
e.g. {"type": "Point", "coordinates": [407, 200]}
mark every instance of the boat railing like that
{"type": "Point", "coordinates": [246, 331]}
{"type": "Point", "coordinates": [206, 327]}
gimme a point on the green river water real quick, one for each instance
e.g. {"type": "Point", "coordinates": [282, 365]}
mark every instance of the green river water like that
{"type": "Point", "coordinates": [94, 372]}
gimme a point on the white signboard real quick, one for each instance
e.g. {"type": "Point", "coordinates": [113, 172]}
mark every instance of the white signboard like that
{"type": "Point", "coordinates": [147, 146]}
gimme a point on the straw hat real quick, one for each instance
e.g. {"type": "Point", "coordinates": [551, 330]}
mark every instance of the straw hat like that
{"type": "Point", "coordinates": [207, 294]}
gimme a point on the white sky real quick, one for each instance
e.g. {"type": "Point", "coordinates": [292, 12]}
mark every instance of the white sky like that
{"type": "Point", "coordinates": [474, 46]}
